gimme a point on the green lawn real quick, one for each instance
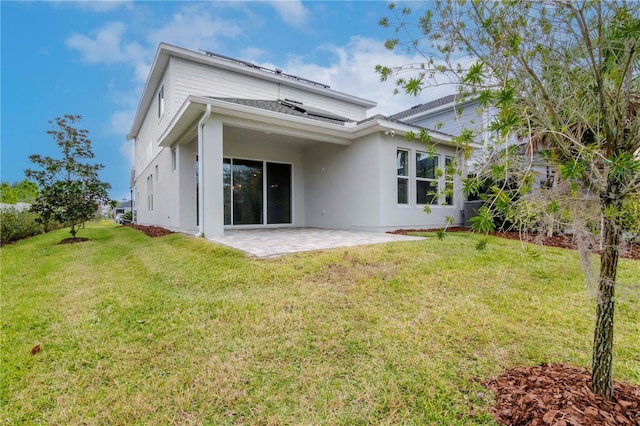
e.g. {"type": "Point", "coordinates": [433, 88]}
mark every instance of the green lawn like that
{"type": "Point", "coordinates": [176, 330]}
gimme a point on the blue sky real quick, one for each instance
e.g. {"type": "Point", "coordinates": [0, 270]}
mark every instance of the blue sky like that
{"type": "Point", "coordinates": [92, 59]}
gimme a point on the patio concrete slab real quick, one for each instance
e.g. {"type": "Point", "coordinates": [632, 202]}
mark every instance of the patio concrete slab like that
{"type": "Point", "coordinates": [280, 241]}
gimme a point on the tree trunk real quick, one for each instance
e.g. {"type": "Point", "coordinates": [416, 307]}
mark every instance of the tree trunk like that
{"type": "Point", "coordinates": [602, 363]}
{"type": "Point", "coordinates": [73, 230]}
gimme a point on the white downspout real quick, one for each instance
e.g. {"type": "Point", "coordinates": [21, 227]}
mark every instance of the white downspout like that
{"type": "Point", "coordinates": [205, 117]}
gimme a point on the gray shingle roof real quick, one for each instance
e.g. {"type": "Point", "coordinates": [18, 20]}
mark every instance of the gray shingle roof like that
{"type": "Point", "coordinates": [395, 120]}
{"type": "Point", "coordinates": [423, 107]}
{"type": "Point", "coordinates": [300, 110]}
{"type": "Point", "coordinates": [390, 119]}
{"type": "Point", "coordinates": [290, 108]}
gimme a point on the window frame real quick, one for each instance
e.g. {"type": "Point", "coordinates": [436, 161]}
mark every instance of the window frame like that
{"type": "Point", "coordinates": [435, 198]}
{"type": "Point", "coordinates": [161, 106]}
{"type": "Point", "coordinates": [449, 180]}
{"type": "Point", "coordinates": [406, 178]}
{"type": "Point", "coordinates": [230, 214]}
{"type": "Point", "coordinates": [174, 160]}
{"type": "Point", "coordinates": [150, 192]}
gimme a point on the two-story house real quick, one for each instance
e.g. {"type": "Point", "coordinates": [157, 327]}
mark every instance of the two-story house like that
{"type": "Point", "coordinates": [224, 144]}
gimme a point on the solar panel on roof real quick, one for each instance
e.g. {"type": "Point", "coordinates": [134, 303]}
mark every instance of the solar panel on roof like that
{"type": "Point", "coordinates": [277, 71]}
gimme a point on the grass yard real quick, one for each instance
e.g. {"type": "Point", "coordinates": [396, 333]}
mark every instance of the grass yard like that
{"type": "Point", "coordinates": [176, 330]}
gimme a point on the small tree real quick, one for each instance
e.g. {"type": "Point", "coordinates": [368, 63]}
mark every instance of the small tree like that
{"type": "Point", "coordinates": [562, 75]}
{"type": "Point", "coordinates": [25, 192]}
{"type": "Point", "coordinates": [70, 191]}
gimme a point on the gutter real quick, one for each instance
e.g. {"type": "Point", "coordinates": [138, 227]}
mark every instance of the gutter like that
{"type": "Point", "coordinates": [205, 117]}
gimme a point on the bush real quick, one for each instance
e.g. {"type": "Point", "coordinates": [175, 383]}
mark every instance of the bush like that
{"type": "Point", "coordinates": [631, 219]}
{"type": "Point", "coordinates": [16, 225]}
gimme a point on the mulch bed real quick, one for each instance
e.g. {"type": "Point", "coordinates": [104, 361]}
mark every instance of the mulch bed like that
{"type": "Point", "coordinates": [151, 231]}
{"type": "Point", "coordinates": [559, 395]}
{"type": "Point", "coordinates": [73, 240]}
{"type": "Point", "coordinates": [632, 250]}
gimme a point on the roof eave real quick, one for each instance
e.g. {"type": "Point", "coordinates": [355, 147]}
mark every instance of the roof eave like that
{"type": "Point", "coordinates": [435, 110]}
{"type": "Point", "coordinates": [158, 66]}
{"type": "Point", "coordinates": [399, 129]}
{"type": "Point", "coordinates": [265, 120]}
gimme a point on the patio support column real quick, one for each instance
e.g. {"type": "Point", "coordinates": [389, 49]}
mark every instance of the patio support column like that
{"type": "Point", "coordinates": [212, 205]}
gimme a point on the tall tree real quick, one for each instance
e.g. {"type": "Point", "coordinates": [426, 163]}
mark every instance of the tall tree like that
{"type": "Point", "coordinates": [559, 74]}
{"type": "Point", "coordinates": [70, 190]}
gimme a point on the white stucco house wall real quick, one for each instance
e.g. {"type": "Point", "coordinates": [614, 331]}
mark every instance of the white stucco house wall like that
{"type": "Point", "coordinates": [224, 144]}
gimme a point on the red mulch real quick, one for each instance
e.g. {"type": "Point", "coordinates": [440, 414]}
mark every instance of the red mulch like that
{"type": "Point", "coordinates": [73, 240]}
{"type": "Point", "coordinates": [560, 395]}
{"type": "Point", "coordinates": [151, 231]}
{"type": "Point", "coordinates": [632, 250]}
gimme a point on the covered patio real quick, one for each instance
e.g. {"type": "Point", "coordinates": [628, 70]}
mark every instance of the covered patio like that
{"type": "Point", "coordinates": [273, 242]}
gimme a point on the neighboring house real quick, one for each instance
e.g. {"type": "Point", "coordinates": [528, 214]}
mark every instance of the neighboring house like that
{"type": "Point", "coordinates": [225, 144]}
{"type": "Point", "coordinates": [19, 206]}
{"type": "Point", "coordinates": [122, 208]}
{"type": "Point", "coordinates": [451, 117]}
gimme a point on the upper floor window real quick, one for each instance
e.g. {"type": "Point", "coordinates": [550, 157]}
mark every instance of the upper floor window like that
{"type": "Point", "coordinates": [161, 101]}
{"type": "Point", "coordinates": [174, 159]}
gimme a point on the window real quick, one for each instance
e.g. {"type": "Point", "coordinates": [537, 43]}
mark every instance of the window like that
{"type": "Point", "coordinates": [449, 171]}
{"type": "Point", "coordinates": [174, 162]}
{"type": "Point", "coordinates": [156, 172]}
{"type": "Point", "coordinates": [161, 101]}
{"type": "Point", "coordinates": [426, 178]}
{"type": "Point", "coordinates": [402, 166]}
{"type": "Point", "coordinates": [150, 193]}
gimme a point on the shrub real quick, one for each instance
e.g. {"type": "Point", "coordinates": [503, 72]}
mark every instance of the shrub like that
{"type": "Point", "coordinates": [631, 219]}
{"type": "Point", "coordinates": [16, 225]}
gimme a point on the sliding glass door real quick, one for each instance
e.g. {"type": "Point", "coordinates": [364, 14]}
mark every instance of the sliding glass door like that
{"type": "Point", "coordinates": [254, 190]}
{"type": "Point", "coordinates": [247, 192]}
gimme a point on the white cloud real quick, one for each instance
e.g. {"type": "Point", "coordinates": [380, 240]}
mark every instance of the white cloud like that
{"type": "Point", "coordinates": [103, 5]}
{"type": "Point", "coordinates": [193, 27]}
{"type": "Point", "coordinates": [292, 12]}
{"type": "Point", "coordinates": [103, 46]}
{"type": "Point", "coordinates": [95, 5]}
{"type": "Point", "coordinates": [352, 71]}
{"type": "Point", "coordinates": [252, 54]}
{"type": "Point", "coordinates": [119, 124]}
{"type": "Point", "coordinates": [106, 45]}
{"type": "Point", "coordinates": [127, 150]}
